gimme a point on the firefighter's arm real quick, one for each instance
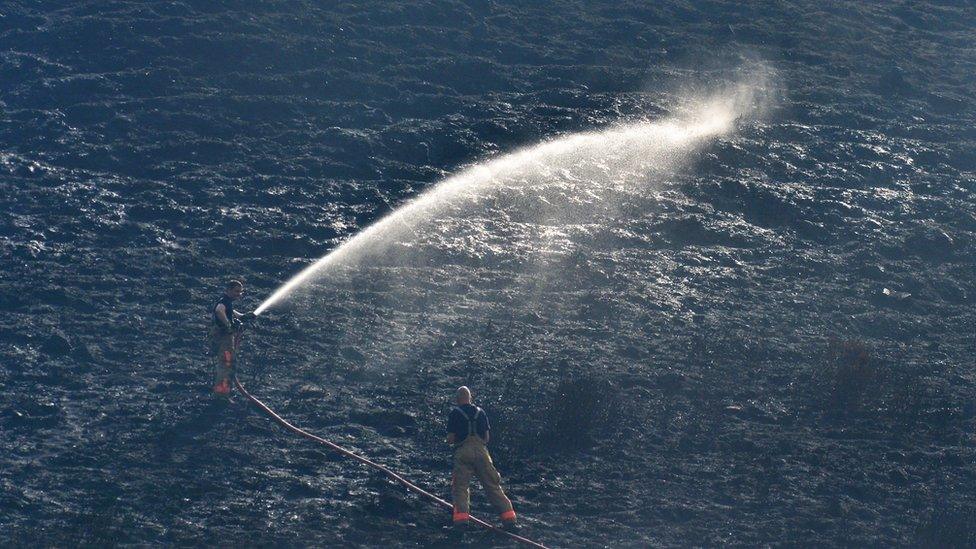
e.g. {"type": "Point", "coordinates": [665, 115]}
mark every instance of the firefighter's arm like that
{"type": "Point", "coordinates": [222, 316]}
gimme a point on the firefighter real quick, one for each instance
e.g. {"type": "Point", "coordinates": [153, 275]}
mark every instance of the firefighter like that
{"type": "Point", "coordinates": [225, 336]}
{"type": "Point", "coordinates": [468, 431]}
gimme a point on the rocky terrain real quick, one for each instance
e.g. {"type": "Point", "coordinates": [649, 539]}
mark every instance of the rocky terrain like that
{"type": "Point", "coordinates": [767, 343]}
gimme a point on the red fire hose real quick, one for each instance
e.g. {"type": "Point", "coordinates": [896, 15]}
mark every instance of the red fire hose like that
{"type": "Point", "coordinates": [409, 485]}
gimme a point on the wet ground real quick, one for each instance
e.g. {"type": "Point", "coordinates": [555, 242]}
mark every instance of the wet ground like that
{"type": "Point", "coordinates": [772, 344]}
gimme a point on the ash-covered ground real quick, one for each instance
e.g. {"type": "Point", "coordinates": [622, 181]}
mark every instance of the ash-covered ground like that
{"type": "Point", "coordinates": [762, 339]}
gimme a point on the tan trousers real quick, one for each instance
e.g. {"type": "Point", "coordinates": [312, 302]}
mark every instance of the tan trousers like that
{"type": "Point", "coordinates": [224, 349]}
{"type": "Point", "coordinates": [472, 458]}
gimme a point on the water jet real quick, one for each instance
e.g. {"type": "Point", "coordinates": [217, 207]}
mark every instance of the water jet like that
{"type": "Point", "coordinates": [558, 180]}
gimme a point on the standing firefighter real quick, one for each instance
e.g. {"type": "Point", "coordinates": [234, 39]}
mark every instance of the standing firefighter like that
{"type": "Point", "coordinates": [225, 336]}
{"type": "Point", "coordinates": [468, 431]}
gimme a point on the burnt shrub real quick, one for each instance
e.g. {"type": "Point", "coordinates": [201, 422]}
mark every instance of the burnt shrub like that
{"type": "Point", "coordinates": [947, 527]}
{"type": "Point", "coordinates": [578, 411]}
{"type": "Point", "coordinates": [851, 376]}
{"type": "Point", "coordinates": [574, 412]}
{"type": "Point", "coordinates": [852, 380]}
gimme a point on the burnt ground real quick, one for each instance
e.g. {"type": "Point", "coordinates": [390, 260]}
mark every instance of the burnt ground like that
{"type": "Point", "coordinates": [773, 348]}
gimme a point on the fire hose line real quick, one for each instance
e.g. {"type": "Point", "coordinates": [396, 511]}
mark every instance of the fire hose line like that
{"type": "Point", "coordinates": [389, 473]}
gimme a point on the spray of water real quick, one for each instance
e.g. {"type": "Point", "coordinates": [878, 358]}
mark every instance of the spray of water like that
{"type": "Point", "coordinates": [574, 170]}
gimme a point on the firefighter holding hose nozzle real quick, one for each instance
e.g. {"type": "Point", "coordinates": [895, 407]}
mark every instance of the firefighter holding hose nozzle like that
{"type": "Point", "coordinates": [225, 336]}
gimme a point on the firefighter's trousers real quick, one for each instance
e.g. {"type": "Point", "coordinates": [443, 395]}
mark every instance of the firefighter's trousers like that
{"type": "Point", "coordinates": [472, 458]}
{"type": "Point", "coordinates": [224, 346]}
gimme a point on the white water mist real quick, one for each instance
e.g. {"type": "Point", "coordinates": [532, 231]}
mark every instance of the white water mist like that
{"type": "Point", "coordinates": [577, 165]}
